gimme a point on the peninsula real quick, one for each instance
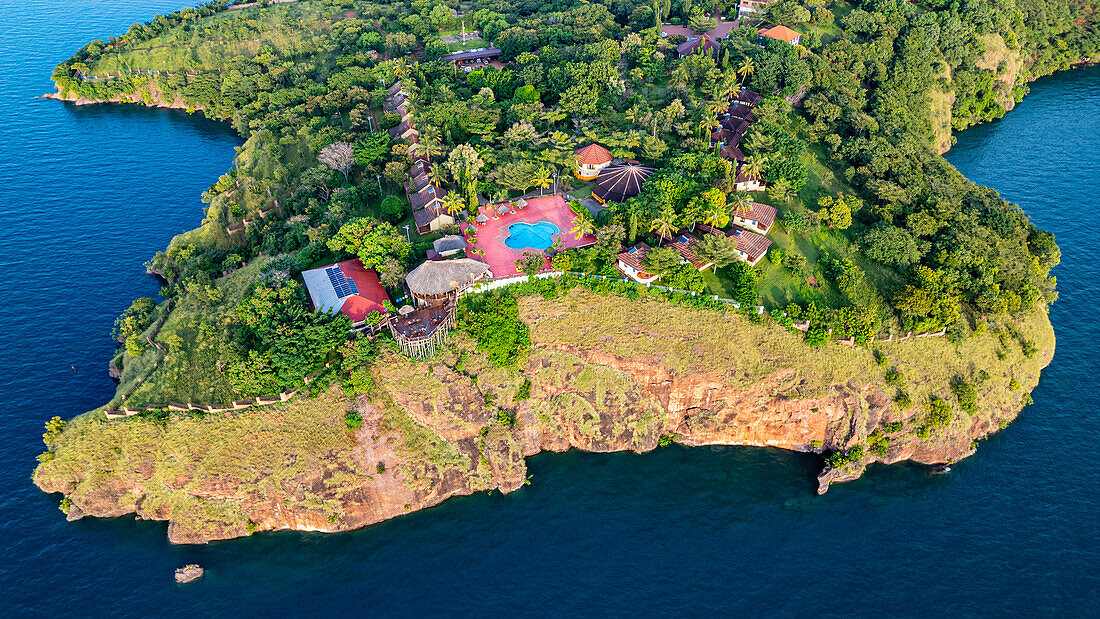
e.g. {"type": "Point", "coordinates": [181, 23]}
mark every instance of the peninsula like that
{"type": "Point", "coordinates": [462, 233]}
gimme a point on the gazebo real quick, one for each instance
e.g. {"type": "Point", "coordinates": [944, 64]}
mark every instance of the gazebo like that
{"type": "Point", "coordinates": [481, 218]}
{"type": "Point", "coordinates": [504, 208]}
{"type": "Point", "coordinates": [618, 182]}
{"type": "Point", "coordinates": [521, 203]}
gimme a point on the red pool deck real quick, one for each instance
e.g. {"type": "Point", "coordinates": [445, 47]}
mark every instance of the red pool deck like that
{"type": "Point", "coordinates": [491, 235]}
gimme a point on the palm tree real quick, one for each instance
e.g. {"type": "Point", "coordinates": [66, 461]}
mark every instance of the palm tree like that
{"type": "Point", "coordinates": [437, 174]}
{"type": "Point", "coordinates": [583, 225]}
{"type": "Point", "coordinates": [663, 225]}
{"type": "Point", "coordinates": [542, 178]}
{"type": "Point", "coordinates": [715, 216]}
{"type": "Point", "coordinates": [453, 203]}
{"type": "Point", "coordinates": [739, 205]}
{"type": "Point", "coordinates": [430, 142]}
{"type": "Point", "coordinates": [747, 68]}
{"type": "Point", "coordinates": [754, 166]}
{"type": "Point", "coordinates": [708, 124]}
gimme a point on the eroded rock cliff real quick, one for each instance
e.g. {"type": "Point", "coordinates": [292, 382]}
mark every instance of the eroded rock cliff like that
{"type": "Point", "coordinates": [604, 374]}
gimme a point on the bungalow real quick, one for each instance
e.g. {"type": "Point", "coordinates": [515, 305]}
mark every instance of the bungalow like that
{"type": "Point", "coordinates": [349, 288]}
{"type": "Point", "coordinates": [449, 245]}
{"type": "Point", "coordinates": [702, 45]}
{"type": "Point", "coordinates": [417, 183]}
{"type": "Point", "coordinates": [744, 98]}
{"type": "Point", "coordinates": [733, 153]}
{"type": "Point", "coordinates": [746, 7]}
{"type": "Point", "coordinates": [684, 244]}
{"type": "Point", "coordinates": [630, 263]}
{"type": "Point", "coordinates": [751, 247]}
{"type": "Point", "coordinates": [438, 283]}
{"type": "Point", "coordinates": [781, 33]}
{"type": "Point", "coordinates": [758, 217]}
{"type": "Point", "coordinates": [428, 196]}
{"type": "Point", "coordinates": [432, 218]}
{"type": "Point", "coordinates": [395, 90]}
{"type": "Point", "coordinates": [591, 160]}
{"type": "Point", "coordinates": [420, 167]}
{"type": "Point", "coordinates": [401, 109]}
{"type": "Point", "coordinates": [746, 182]}
{"type": "Point", "coordinates": [404, 130]}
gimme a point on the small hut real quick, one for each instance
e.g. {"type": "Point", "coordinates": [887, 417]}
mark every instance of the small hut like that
{"type": "Point", "coordinates": [504, 208]}
{"type": "Point", "coordinates": [438, 283]}
{"type": "Point", "coordinates": [481, 218]}
{"type": "Point", "coordinates": [618, 182]}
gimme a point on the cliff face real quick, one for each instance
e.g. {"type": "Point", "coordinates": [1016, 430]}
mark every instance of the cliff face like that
{"type": "Point", "coordinates": [619, 375]}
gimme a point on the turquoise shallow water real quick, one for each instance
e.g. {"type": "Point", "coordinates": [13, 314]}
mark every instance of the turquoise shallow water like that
{"type": "Point", "coordinates": [531, 236]}
{"type": "Point", "coordinates": [87, 194]}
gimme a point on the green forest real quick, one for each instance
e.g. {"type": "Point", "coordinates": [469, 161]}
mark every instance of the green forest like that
{"type": "Point", "coordinates": [876, 232]}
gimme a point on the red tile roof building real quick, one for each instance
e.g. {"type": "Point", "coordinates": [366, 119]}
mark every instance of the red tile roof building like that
{"type": "Point", "coordinates": [782, 33]}
{"type": "Point", "coordinates": [347, 287]}
{"type": "Point", "coordinates": [591, 160]}
{"type": "Point", "coordinates": [758, 217]}
{"type": "Point", "coordinates": [750, 245]}
{"type": "Point", "coordinates": [630, 263]}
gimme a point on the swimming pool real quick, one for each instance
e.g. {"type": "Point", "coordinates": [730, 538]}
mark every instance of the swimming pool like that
{"type": "Point", "coordinates": [531, 236]}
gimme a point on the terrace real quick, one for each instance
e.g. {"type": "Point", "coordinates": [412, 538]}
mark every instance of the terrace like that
{"type": "Point", "coordinates": [493, 232]}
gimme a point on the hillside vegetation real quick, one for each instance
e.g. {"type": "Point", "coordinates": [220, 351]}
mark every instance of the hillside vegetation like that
{"type": "Point", "coordinates": [621, 374]}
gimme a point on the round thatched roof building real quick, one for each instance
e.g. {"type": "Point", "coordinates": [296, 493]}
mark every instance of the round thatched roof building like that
{"type": "Point", "coordinates": [618, 182]}
{"type": "Point", "coordinates": [436, 282]}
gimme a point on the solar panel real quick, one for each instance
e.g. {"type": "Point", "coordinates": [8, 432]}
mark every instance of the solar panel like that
{"type": "Point", "coordinates": [341, 285]}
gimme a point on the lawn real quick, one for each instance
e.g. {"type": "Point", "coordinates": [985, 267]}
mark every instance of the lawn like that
{"type": "Point", "coordinates": [470, 44]}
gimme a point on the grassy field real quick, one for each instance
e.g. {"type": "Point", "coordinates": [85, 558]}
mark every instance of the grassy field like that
{"type": "Point", "coordinates": [267, 450]}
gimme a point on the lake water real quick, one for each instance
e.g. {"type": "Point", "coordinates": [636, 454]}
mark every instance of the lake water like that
{"type": "Point", "coordinates": [87, 194]}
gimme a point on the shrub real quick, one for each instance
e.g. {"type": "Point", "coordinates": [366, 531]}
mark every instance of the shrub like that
{"type": "Point", "coordinates": [1029, 348]}
{"type": "Point", "coordinates": [902, 399]}
{"type": "Point", "coordinates": [817, 337]}
{"type": "Point", "coordinates": [380, 468]}
{"type": "Point", "coordinates": [939, 413]}
{"type": "Point", "coordinates": [53, 429]}
{"type": "Point", "coordinates": [839, 460]}
{"type": "Point", "coordinates": [524, 391]}
{"type": "Point", "coordinates": [776, 255]}
{"type": "Point", "coordinates": [892, 427]}
{"type": "Point", "coordinates": [353, 420]}
{"type": "Point", "coordinates": [967, 395]}
{"type": "Point", "coordinates": [893, 377]}
{"type": "Point", "coordinates": [794, 262]}
{"type": "Point", "coordinates": [666, 439]}
{"type": "Point", "coordinates": [1013, 385]}
{"type": "Point", "coordinates": [878, 444]}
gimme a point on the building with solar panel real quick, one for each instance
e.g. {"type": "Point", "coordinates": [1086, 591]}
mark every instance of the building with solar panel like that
{"type": "Point", "coordinates": [351, 289]}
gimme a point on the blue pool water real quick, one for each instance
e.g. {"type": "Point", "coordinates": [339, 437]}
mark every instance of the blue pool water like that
{"type": "Point", "coordinates": [531, 236]}
{"type": "Point", "coordinates": [88, 193]}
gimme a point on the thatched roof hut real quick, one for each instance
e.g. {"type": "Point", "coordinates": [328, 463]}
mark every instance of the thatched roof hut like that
{"type": "Point", "coordinates": [618, 182]}
{"type": "Point", "coordinates": [504, 208]}
{"type": "Point", "coordinates": [521, 203]}
{"type": "Point", "coordinates": [434, 282]}
{"type": "Point", "coordinates": [481, 218]}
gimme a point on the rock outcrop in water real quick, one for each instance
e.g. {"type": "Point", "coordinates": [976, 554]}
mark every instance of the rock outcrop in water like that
{"type": "Point", "coordinates": [603, 375]}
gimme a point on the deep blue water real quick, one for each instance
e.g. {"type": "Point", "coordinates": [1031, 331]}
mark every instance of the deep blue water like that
{"type": "Point", "coordinates": [535, 236]}
{"type": "Point", "coordinates": [87, 194]}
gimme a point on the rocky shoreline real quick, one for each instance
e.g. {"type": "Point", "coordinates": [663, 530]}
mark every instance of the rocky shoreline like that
{"type": "Point", "coordinates": [429, 432]}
